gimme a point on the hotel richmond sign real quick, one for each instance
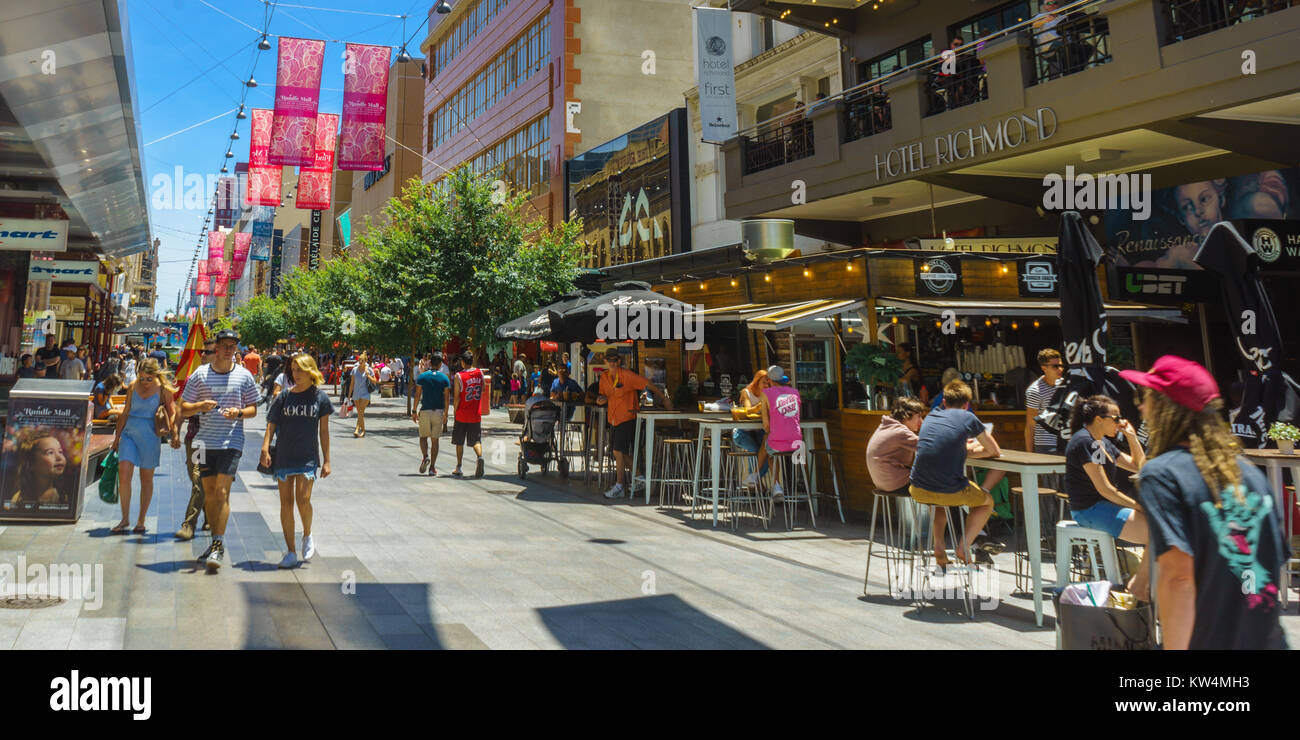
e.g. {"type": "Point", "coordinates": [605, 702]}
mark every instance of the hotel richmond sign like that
{"type": "Point", "coordinates": [974, 142]}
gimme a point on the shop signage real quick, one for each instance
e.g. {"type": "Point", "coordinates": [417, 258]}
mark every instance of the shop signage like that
{"type": "Point", "coordinates": [1037, 278]}
{"type": "Point", "coordinates": [1276, 242]}
{"type": "Point", "coordinates": [1163, 286]}
{"type": "Point", "coordinates": [33, 235]}
{"type": "Point", "coordinates": [986, 245]}
{"type": "Point", "coordinates": [373, 177]}
{"type": "Point", "coordinates": [938, 276]}
{"type": "Point", "coordinates": [64, 271]}
{"type": "Point", "coordinates": [968, 143]}
{"type": "Point", "coordinates": [313, 255]}
{"type": "Point", "coordinates": [715, 75]}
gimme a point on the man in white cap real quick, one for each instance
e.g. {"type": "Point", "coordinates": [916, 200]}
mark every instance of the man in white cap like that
{"type": "Point", "coordinates": [72, 368]}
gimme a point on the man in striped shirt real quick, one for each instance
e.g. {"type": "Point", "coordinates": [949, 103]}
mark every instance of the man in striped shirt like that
{"type": "Point", "coordinates": [222, 394]}
{"type": "Point", "coordinates": [1037, 396]}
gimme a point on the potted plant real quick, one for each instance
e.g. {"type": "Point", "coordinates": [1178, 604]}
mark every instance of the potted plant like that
{"type": "Point", "coordinates": [1285, 435]}
{"type": "Point", "coordinates": [874, 364]}
{"type": "Point", "coordinates": [812, 402]}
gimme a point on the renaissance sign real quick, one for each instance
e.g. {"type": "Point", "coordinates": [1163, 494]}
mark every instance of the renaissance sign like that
{"type": "Point", "coordinates": [968, 143]}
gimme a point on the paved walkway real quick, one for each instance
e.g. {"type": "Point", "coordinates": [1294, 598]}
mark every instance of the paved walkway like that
{"type": "Point", "coordinates": [409, 561]}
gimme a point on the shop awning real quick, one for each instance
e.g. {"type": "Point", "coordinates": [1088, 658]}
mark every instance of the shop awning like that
{"type": "Point", "coordinates": [1024, 308]}
{"type": "Point", "coordinates": [776, 316]}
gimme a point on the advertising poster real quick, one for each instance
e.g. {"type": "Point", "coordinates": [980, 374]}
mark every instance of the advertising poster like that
{"type": "Point", "coordinates": [365, 105]}
{"type": "Point", "coordinates": [297, 94]}
{"type": "Point", "coordinates": [44, 458]}
{"type": "Point", "coordinates": [315, 183]}
{"type": "Point", "coordinates": [263, 221]}
{"type": "Point", "coordinates": [263, 178]}
{"type": "Point", "coordinates": [1181, 217]}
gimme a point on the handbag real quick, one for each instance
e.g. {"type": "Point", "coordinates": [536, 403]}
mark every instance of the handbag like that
{"type": "Point", "coordinates": [162, 425]}
{"type": "Point", "coordinates": [267, 469]}
{"type": "Point", "coordinates": [1104, 627]}
{"type": "Point", "coordinates": [108, 479]}
{"type": "Point", "coordinates": [371, 388]}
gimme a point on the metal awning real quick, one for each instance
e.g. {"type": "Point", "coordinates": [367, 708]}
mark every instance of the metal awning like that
{"type": "Point", "coordinates": [1013, 308]}
{"type": "Point", "coordinates": [776, 316]}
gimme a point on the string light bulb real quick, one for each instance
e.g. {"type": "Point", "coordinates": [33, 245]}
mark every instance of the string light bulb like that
{"type": "Point", "coordinates": [1035, 323]}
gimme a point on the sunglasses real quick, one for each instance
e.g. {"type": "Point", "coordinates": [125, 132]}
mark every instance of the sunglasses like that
{"type": "Point", "coordinates": [1057, 365]}
{"type": "Point", "coordinates": [1116, 418]}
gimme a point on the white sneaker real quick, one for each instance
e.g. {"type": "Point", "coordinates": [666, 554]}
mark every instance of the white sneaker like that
{"type": "Point", "coordinates": [778, 493]}
{"type": "Point", "coordinates": [616, 491]}
{"type": "Point", "coordinates": [308, 548]}
{"type": "Point", "coordinates": [750, 480]}
{"type": "Point", "coordinates": [290, 560]}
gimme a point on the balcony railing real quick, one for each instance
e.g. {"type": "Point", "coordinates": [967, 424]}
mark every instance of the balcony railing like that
{"type": "Point", "coordinates": [966, 84]}
{"type": "Point", "coordinates": [1186, 19]}
{"type": "Point", "coordinates": [779, 144]}
{"type": "Point", "coordinates": [1068, 45]}
{"type": "Point", "coordinates": [866, 113]}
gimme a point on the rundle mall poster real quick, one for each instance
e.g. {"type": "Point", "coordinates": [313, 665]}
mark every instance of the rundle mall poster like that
{"type": "Point", "coordinates": [631, 194]}
{"type": "Point", "coordinates": [44, 458]}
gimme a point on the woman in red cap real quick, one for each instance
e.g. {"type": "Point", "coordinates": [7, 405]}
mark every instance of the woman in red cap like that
{"type": "Point", "coordinates": [1214, 525]}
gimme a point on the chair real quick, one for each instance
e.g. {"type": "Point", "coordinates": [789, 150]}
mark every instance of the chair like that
{"type": "Point", "coordinates": [793, 473]}
{"type": "Point", "coordinates": [677, 469]}
{"type": "Point", "coordinates": [835, 468]}
{"type": "Point", "coordinates": [956, 526]}
{"type": "Point", "coordinates": [1024, 579]}
{"type": "Point", "coordinates": [894, 553]}
{"type": "Point", "coordinates": [1070, 535]}
{"type": "Point", "coordinates": [737, 466]}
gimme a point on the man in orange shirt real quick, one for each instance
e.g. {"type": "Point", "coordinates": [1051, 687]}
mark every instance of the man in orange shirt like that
{"type": "Point", "coordinates": [618, 390]}
{"type": "Point", "coordinates": [253, 361]}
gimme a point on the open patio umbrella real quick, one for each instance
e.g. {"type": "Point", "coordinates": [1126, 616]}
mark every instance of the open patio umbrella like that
{"type": "Point", "coordinates": [1267, 396]}
{"type": "Point", "coordinates": [144, 326]}
{"type": "Point", "coordinates": [537, 325]}
{"type": "Point", "coordinates": [630, 311]}
{"type": "Point", "coordinates": [1085, 328]}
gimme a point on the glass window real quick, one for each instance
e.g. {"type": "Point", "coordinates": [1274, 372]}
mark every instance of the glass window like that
{"type": "Point", "coordinates": [903, 56]}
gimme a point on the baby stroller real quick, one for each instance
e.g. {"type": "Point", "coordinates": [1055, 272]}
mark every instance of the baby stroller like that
{"type": "Point", "coordinates": [537, 441]}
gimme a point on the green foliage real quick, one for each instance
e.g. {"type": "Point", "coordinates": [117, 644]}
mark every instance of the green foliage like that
{"type": "Point", "coordinates": [874, 363]}
{"type": "Point", "coordinates": [262, 322]}
{"type": "Point", "coordinates": [1282, 430]}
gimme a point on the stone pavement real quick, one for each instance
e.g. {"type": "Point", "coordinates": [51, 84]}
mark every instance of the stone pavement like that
{"type": "Point", "coordinates": [409, 561]}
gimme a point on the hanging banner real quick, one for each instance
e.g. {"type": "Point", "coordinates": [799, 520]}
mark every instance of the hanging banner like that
{"type": "Point", "coordinates": [260, 246]}
{"type": "Point", "coordinates": [365, 106]}
{"type": "Point", "coordinates": [263, 177]}
{"type": "Point", "coordinates": [203, 283]}
{"type": "Point", "coordinates": [222, 280]}
{"type": "Point", "coordinates": [243, 241]}
{"type": "Point", "coordinates": [316, 182]}
{"type": "Point", "coordinates": [277, 249]}
{"type": "Point", "coordinates": [216, 246]}
{"type": "Point", "coordinates": [714, 74]}
{"type": "Point", "coordinates": [297, 94]}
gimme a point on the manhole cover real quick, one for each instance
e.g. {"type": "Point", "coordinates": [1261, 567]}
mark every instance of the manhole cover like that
{"type": "Point", "coordinates": [31, 602]}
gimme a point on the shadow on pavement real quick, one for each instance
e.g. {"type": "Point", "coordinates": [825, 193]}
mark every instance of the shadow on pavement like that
{"type": "Point", "coordinates": [654, 622]}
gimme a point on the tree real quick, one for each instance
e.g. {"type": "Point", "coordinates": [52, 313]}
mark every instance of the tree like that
{"type": "Point", "coordinates": [262, 321]}
{"type": "Point", "coordinates": [326, 305]}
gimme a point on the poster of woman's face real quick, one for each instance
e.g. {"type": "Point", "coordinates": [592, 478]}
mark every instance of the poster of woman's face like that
{"type": "Point", "coordinates": [1186, 213]}
{"type": "Point", "coordinates": [41, 462]}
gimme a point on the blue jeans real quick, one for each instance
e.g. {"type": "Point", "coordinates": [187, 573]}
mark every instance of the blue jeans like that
{"type": "Point", "coordinates": [749, 440]}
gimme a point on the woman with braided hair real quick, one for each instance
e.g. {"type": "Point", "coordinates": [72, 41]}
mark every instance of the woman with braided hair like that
{"type": "Point", "coordinates": [1214, 523]}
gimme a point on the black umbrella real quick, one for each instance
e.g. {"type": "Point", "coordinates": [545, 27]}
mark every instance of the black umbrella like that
{"type": "Point", "coordinates": [1264, 397]}
{"type": "Point", "coordinates": [537, 325]}
{"type": "Point", "coordinates": [144, 326]}
{"type": "Point", "coordinates": [630, 311]}
{"type": "Point", "coordinates": [1085, 327]}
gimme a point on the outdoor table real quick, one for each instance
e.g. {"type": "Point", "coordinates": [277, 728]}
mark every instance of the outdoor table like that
{"type": "Point", "coordinates": [1273, 461]}
{"type": "Point", "coordinates": [647, 418]}
{"type": "Point", "coordinates": [561, 449]}
{"type": "Point", "coordinates": [1029, 465]}
{"type": "Point", "coordinates": [714, 427]}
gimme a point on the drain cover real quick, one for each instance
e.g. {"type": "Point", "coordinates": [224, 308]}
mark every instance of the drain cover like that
{"type": "Point", "coordinates": [31, 602]}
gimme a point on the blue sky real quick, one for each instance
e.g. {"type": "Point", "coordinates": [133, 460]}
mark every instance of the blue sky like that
{"type": "Point", "coordinates": [190, 61]}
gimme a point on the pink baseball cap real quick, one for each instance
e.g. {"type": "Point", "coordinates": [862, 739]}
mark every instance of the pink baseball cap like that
{"type": "Point", "coordinates": [1185, 383]}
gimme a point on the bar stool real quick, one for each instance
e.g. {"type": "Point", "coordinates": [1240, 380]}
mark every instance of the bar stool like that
{"type": "Point", "coordinates": [893, 552]}
{"type": "Point", "coordinates": [705, 475]}
{"type": "Point", "coordinates": [792, 474]}
{"type": "Point", "coordinates": [677, 471]}
{"type": "Point", "coordinates": [832, 458]}
{"type": "Point", "coordinates": [737, 466]}
{"type": "Point", "coordinates": [956, 525]}
{"type": "Point", "coordinates": [1024, 581]}
{"type": "Point", "coordinates": [1071, 535]}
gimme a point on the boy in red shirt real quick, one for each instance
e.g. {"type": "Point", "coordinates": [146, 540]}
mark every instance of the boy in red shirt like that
{"type": "Point", "coordinates": [468, 392]}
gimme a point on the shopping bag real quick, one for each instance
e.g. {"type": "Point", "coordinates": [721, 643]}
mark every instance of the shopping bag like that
{"type": "Point", "coordinates": [108, 479]}
{"type": "Point", "coordinates": [1105, 627]}
{"type": "Point", "coordinates": [1001, 495]}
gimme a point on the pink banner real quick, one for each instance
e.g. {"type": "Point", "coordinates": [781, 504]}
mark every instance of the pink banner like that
{"type": "Point", "coordinates": [365, 106]}
{"type": "Point", "coordinates": [243, 239]}
{"type": "Point", "coordinates": [297, 95]}
{"type": "Point", "coordinates": [216, 245]}
{"type": "Point", "coordinates": [315, 182]}
{"type": "Point", "coordinates": [263, 178]}
{"type": "Point", "coordinates": [203, 283]}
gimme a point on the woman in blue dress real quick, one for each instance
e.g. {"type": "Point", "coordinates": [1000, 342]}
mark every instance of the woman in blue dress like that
{"type": "Point", "coordinates": [136, 442]}
{"type": "Point", "coordinates": [362, 372]}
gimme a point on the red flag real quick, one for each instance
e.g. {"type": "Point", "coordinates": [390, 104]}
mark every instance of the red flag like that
{"type": "Point", "coordinates": [365, 105]}
{"type": "Point", "coordinates": [216, 246]}
{"type": "Point", "coordinates": [263, 178]}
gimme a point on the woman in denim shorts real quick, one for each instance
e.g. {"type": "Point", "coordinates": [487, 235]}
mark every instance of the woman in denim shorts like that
{"type": "Point", "coordinates": [299, 416]}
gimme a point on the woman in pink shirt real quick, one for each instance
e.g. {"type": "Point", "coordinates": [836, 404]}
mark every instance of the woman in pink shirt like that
{"type": "Point", "coordinates": [781, 408]}
{"type": "Point", "coordinates": [893, 445]}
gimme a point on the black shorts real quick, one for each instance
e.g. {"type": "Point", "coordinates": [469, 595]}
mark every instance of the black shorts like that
{"type": "Point", "coordinates": [622, 435]}
{"type": "Point", "coordinates": [219, 462]}
{"type": "Point", "coordinates": [466, 432]}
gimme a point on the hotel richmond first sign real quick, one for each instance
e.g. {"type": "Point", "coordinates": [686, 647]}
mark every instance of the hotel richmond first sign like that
{"type": "Point", "coordinates": [973, 142]}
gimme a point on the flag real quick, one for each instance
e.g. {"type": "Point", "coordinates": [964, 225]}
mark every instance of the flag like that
{"type": "Point", "coordinates": [191, 356]}
{"type": "Point", "coordinates": [297, 94]}
{"type": "Point", "coordinates": [315, 183]}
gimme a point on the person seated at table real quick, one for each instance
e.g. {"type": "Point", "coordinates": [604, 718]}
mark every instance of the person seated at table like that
{"type": "Point", "coordinates": [893, 445]}
{"type": "Point", "coordinates": [938, 472]}
{"type": "Point", "coordinates": [1091, 459]}
{"type": "Point", "coordinates": [781, 409]}
{"type": "Point", "coordinates": [751, 440]}
{"type": "Point", "coordinates": [564, 388]}
{"type": "Point", "coordinates": [102, 395]}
